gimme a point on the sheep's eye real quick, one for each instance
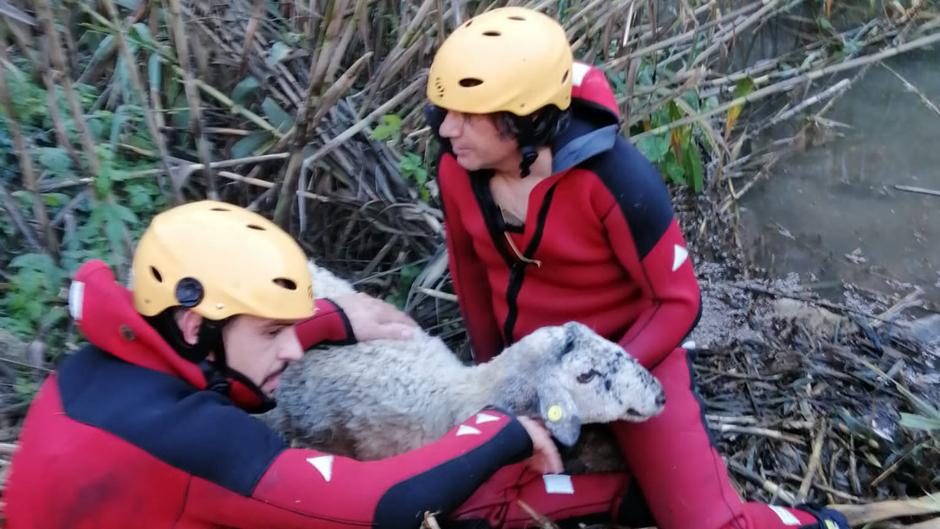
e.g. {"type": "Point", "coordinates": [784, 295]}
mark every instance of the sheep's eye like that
{"type": "Point", "coordinates": [584, 378]}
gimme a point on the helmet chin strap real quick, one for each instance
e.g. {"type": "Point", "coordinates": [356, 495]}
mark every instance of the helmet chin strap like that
{"type": "Point", "coordinates": [525, 139]}
{"type": "Point", "coordinates": [529, 155]}
{"type": "Point", "coordinates": [219, 375]}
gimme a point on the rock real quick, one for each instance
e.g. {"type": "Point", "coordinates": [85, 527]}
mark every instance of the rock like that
{"type": "Point", "coordinates": [927, 331]}
{"type": "Point", "coordinates": [815, 319]}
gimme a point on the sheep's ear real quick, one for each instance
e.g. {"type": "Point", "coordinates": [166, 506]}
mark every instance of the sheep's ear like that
{"type": "Point", "coordinates": [560, 413]}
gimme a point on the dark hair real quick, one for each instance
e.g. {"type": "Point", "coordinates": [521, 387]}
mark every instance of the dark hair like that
{"type": "Point", "coordinates": [532, 131]}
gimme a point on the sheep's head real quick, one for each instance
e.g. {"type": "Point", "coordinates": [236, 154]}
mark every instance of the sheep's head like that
{"type": "Point", "coordinates": [593, 381]}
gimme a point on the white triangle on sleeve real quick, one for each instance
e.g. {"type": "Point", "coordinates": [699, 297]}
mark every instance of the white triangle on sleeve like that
{"type": "Point", "coordinates": [681, 255]}
{"type": "Point", "coordinates": [467, 430]}
{"type": "Point", "coordinates": [486, 417]}
{"type": "Point", "coordinates": [324, 465]}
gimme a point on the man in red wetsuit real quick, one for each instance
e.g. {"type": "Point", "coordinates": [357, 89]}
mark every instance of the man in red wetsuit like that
{"type": "Point", "coordinates": [551, 216]}
{"type": "Point", "coordinates": [147, 426]}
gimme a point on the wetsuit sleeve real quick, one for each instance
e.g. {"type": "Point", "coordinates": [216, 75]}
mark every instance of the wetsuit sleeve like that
{"type": "Point", "coordinates": [468, 272]}
{"type": "Point", "coordinates": [305, 488]}
{"type": "Point", "coordinates": [329, 325]}
{"type": "Point", "coordinates": [644, 234]}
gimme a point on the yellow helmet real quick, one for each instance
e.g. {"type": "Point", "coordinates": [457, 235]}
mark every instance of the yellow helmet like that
{"type": "Point", "coordinates": [509, 59]}
{"type": "Point", "coordinates": [220, 260]}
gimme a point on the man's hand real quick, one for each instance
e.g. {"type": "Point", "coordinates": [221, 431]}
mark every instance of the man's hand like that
{"type": "Point", "coordinates": [373, 319]}
{"type": "Point", "coordinates": [545, 457]}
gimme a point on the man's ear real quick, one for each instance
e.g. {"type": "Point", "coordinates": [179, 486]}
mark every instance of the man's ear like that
{"type": "Point", "coordinates": [189, 323]}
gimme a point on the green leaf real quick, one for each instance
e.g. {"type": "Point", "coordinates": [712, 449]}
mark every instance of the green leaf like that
{"type": "Point", "coordinates": [278, 51]}
{"type": "Point", "coordinates": [120, 118]}
{"type": "Point", "coordinates": [388, 128]}
{"type": "Point", "coordinates": [102, 50]}
{"type": "Point", "coordinates": [824, 23]}
{"type": "Point", "coordinates": [55, 199]}
{"type": "Point", "coordinates": [140, 32]}
{"type": "Point", "coordinates": [919, 422]}
{"type": "Point", "coordinates": [250, 144]}
{"type": "Point", "coordinates": [673, 170]}
{"type": "Point", "coordinates": [743, 87]}
{"type": "Point", "coordinates": [55, 159]}
{"type": "Point", "coordinates": [653, 147]}
{"type": "Point", "coordinates": [243, 89]}
{"type": "Point", "coordinates": [154, 72]}
{"type": "Point", "coordinates": [279, 118]}
{"type": "Point", "coordinates": [124, 214]}
{"type": "Point", "coordinates": [694, 170]}
{"type": "Point", "coordinates": [39, 262]}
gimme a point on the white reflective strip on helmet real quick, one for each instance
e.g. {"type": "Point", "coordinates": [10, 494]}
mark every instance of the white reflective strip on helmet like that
{"type": "Point", "coordinates": [76, 299]}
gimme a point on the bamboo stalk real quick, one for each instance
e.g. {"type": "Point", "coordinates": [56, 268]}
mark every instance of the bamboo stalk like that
{"type": "Point", "coordinates": [60, 74]}
{"type": "Point", "coordinates": [52, 100]}
{"type": "Point", "coordinates": [134, 75]}
{"type": "Point", "coordinates": [361, 124]}
{"type": "Point", "coordinates": [814, 460]}
{"type": "Point", "coordinates": [927, 102]}
{"type": "Point", "coordinates": [21, 147]}
{"type": "Point", "coordinates": [302, 126]}
{"type": "Point", "coordinates": [790, 83]}
{"type": "Point", "coordinates": [192, 94]}
{"type": "Point", "coordinates": [13, 210]}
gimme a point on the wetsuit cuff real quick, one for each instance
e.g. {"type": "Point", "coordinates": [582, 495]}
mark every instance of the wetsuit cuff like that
{"type": "Point", "coordinates": [328, 326]}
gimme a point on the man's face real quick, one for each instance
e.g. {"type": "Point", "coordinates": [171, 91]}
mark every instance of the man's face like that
{"type": "Point", "coordinates": [260, 349]}
{"type": "Point", "coordinates": [477, 142]}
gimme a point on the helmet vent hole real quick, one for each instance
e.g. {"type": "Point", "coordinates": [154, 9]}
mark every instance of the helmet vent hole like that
{"type": "Point", "coordinates": [564, 77]}
{"type": "Point", "coordinates": [470, 82]}
{"type": "Point", "coordinates": [283, 282]}
{"type": "Point", "coordinates": [467, 25]}
{"type": "Point", "coordinates": [156, 274]}
{"type": "Point", "coordinates": [492, 33]}
{"type": "Point", "coordinates": [516, 18]}
{"type": "Point", "coordinates": [256, 227]}
{"type": "Point", "coordinates": [219, 209]}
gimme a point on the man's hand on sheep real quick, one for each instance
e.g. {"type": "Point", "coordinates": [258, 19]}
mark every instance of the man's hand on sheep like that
{"type": "Point", "coordinates": [545, 457]}
{"type": "Point", "coordinates": [374, 319]}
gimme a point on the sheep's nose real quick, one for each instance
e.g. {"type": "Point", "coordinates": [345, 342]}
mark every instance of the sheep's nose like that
{"type": "Point", "coordinates": [661, 400]}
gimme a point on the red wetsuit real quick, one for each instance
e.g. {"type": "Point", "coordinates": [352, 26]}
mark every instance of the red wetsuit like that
{"type": "Point", "coordinates": [125, 434]}
{"type": "Point", "coordinates": [600, 245]}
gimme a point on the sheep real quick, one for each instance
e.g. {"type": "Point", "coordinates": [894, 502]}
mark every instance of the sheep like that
{"type": "Point", "coordinates": [380, 398]}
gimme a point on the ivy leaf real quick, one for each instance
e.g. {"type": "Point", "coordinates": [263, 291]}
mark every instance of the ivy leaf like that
{"type": "Point", "coordinates": [278, 51]}
{"type": "Point", "coordinates": [742, 89]}
{"type": "Point", "coordinates": [674, 171]}
{"type": "Point", "coordinates": [389, 128]}
{"type": "Point", "coordinates": [55, 159]}
{"type": "Point", "coordinates": [243, 89]}
{"type": "Point", "coordinates": [279, 118]}
{"type": "Point", "coordinates": [653, 147]}
{"type": "Point", "coordinates": [249, 145]}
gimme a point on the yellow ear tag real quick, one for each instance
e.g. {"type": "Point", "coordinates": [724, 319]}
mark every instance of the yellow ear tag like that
{"type": "Point", "coordinates": [555, 413]}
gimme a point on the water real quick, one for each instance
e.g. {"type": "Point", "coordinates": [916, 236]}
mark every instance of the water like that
{"type": "Point", "coordinates": [831, 213]}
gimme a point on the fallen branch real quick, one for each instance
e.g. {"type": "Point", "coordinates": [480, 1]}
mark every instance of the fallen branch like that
{"type": "Point", "coordinates": [920, 190]}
